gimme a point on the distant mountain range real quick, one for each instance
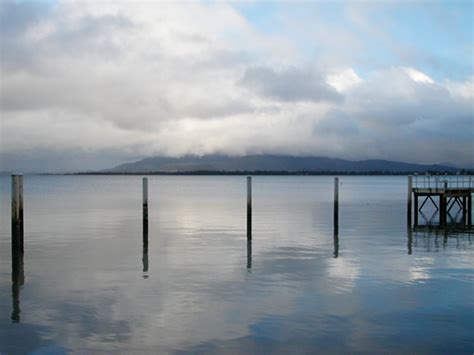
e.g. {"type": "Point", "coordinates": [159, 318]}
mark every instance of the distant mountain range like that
{"type": "Point", "coordinates": [271, 163]}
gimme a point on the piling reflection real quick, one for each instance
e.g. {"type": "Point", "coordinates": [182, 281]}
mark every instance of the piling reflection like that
{"type": "Point", "coordinates": [410, 240]}
{"type": "Point", "coordinates": [249, 254]}
{"type": "Point", "coordinates": [433, 237]}
{"type": "Point", "coordinates": [336, 242]}
{"type": "Point", "coordinates": [18, 276]}
{"type": "Point", "coordinates": [145, 249]}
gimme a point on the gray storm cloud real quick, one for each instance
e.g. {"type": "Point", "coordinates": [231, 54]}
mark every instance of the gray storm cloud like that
{"type": "Point", "coordinates": [290, 85]}
{"type": "Point", "coordinates": [90, 85]}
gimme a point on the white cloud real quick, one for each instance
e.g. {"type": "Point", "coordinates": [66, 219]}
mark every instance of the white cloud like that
{"type": "Point", "coordinates": [130, 80]}
{"type": "Point", "coordinates": [344, 80]}
{"type": "Point", "coordinates": [462, 90]}
{"type": "Point", "coordinates": [418, 76]}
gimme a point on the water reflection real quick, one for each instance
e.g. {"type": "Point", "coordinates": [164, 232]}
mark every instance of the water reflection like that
{"type": "Point", "coordinates": [410, 240]}
{"type": "Point", "coordinates": [428, 220]}
{"type": "Point", "coordinates": [433, 237]}
{"type": "Point", "coordinates": [336, 243]}
{"type": "Point", "coordinates": [205, 297]}
{"type": "Point", "coordinates": [145, 249]}
{"type": "Point", "coordinates": [18, 280]}
{"type": "Point", "coordinates": [249, 254]}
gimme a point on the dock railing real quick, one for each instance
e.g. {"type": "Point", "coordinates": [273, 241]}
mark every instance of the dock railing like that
{"type": "Point", "coordinates": [442, 181]}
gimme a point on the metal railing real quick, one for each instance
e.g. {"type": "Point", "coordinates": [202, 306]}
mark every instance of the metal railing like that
{"type": "Point", "coordinates": [441, 181]}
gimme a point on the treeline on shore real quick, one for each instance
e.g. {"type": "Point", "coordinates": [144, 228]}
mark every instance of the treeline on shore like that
{"type": "Point", "coordinates": [276, 173]}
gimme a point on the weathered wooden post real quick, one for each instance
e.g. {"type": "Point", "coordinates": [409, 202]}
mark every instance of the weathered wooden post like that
{"type": "Point", "coordinates": [145, 249]}
{"type": "Point", "coordinates": [336, 204]}
{"type": "Point", "coordinates": [17, 212]}
{"type": "Point", "coordinates": [145, 226]}
{"type": "Point", "coordinates": [442, 204]}
{"type": "Point", "coordinates": [416, 209]}
{"type": "Point", "coordinates": [249, 207]}
{"type": "Point", "coordinates": [469, 209]}
{"type": "Point", "coordinates": [410, 193]}
{"type": "Point", "coordinates": [145, 199]}
{"type": "Point", "coordinates": [464, 209]}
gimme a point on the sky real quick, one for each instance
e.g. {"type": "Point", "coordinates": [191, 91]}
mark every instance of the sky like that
{"type": "Point", "coordinates": [92, 84]}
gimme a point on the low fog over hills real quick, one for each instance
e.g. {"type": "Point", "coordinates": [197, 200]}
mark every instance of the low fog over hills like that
{"type": "Point", "coordinates": [270, 163]}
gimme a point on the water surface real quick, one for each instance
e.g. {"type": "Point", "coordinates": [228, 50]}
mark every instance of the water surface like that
{"type": "Point", "coordinates": [90, 285]}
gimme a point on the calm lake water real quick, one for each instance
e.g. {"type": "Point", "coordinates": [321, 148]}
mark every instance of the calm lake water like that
{"type": "Point", "coordinates": [89, 285]}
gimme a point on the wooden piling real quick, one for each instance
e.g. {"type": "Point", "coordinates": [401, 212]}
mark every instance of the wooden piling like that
{"type": "Point", "coordinates": [469, 210]}
{"type": "Point", "coordinates": [336, 203]}
{"type": "Point", "coordinates": [410, 193]}
{"type": "Point", "coordinates": [145, 199]}
{"type": "Point", "coordinates": [464, 209]}
{"type": "Point", "coordinates": [249, 207]}
{"type": "Point", "coordinates": [416, 209]}
{"type": "Point", "coordinates": [17, 212]}
{"type": "Point", "coordinates": [443, 210]}
{"type": "Point", "coordinates": [145, 226]}
{"type": "Point", "coordinates": [145, 249]}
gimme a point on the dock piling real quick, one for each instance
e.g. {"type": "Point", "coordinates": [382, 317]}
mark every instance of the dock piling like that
{"type": "Point", "coordinates": [469, 210]}
{"type": "Point", "coordinates": [249, 207]}
{"type": "Point", "coordinates": [410, 193]}
{"type": "Point", "coordinates": [464, 209]}
{"type": "Point", "coordinates": [145, 249]}
{"type": "Point", "coordinates": [145, 199]}
{"type": "Point", "coordinates": [145, 226]}
{"type": "Point", "coordinates": [17, 212]}
{"type": "Point", "coordinates": [336, 203]}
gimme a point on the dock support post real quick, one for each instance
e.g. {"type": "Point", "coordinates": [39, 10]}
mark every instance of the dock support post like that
{"type": "Point", "coordinates": [464, 209]}
{"type": "Point", "coordinates": [17, 213]}
{"type": "Point", "coordinates": [145, 248]}
{"type": "Point", "coordinates": [415, 215]}
{"type": "Point", "coordinates": [336, 218]}
{"type": "Point", "coordinates": [443, 205]}
{"type": "Point", "coordinates": [469, 210]}
{"type": "Point", "coordinates": [336, 204]}
{"type": "Point", "coordinates": [249, 207]}
{"type": "Point", "coordinates": [410, 191]}
{"type": "Point", "coordinates": [145, 226]}
{"type": "Point", "coordinates": [442, 210]}
{"type": "Point", "coordinates": [145, 200]}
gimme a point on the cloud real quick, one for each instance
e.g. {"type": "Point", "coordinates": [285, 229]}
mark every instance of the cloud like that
{"type": "Point", "coordinates": [343, 80]}
{"type": "Point", "coordinates": [289, 85]}
{"type": "Point", "coordinates": [116, 82]}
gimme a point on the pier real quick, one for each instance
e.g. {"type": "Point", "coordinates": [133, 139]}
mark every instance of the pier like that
{"type": "Point", "coordinates": [451, 197]}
